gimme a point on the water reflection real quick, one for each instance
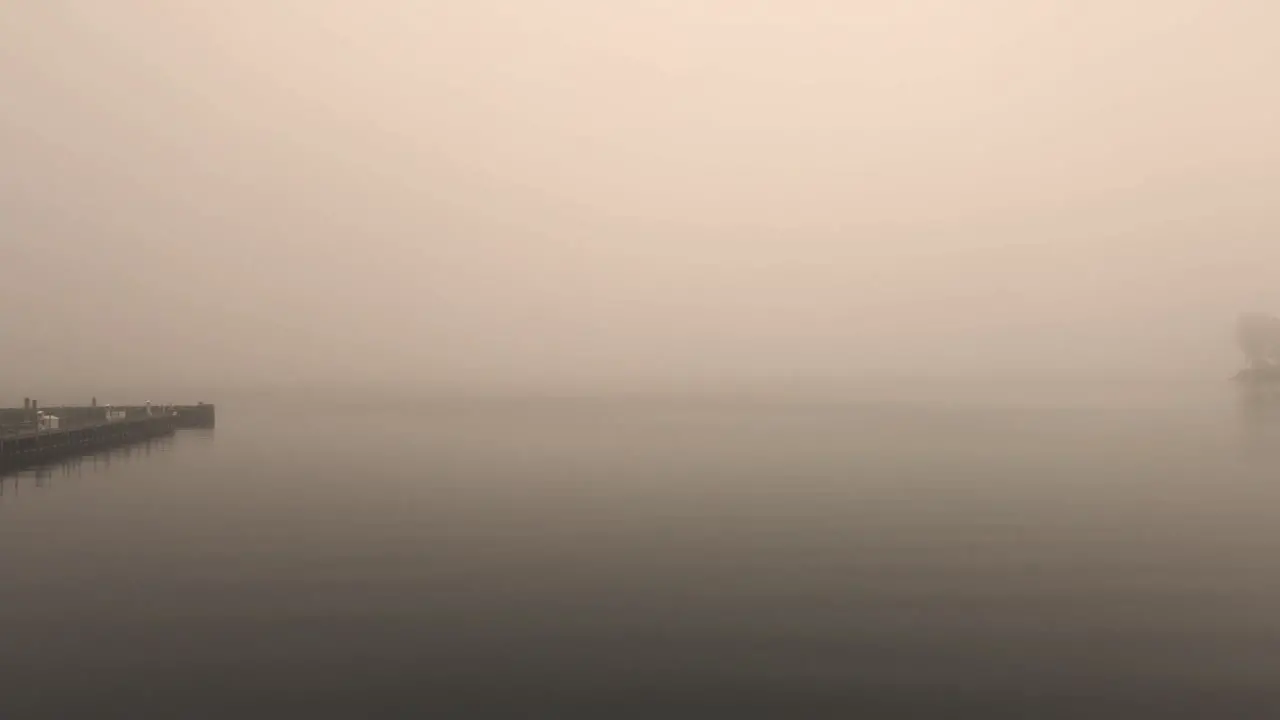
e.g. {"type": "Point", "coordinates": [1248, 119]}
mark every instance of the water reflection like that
{"type": "Point", "coordinates": [95, 462]}
{"type": "Point", "coordinates": [1258, 410]}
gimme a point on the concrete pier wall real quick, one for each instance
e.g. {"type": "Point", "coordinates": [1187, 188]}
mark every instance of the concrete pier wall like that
{"type": "Point", "coordinates": [28, 449]}
{"type": "Point", "coordinates": [85, 429]}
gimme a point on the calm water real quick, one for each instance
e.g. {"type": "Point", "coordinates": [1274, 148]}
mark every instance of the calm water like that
{"type": "Point", "coordinates": [1099, 554]}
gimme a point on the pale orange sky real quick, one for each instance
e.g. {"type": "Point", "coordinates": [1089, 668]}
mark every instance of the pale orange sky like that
{"type": "Point", "coordinates": [570, 191]}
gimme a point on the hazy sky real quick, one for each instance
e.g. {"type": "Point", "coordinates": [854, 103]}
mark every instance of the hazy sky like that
{"type": "Point", "coordinates": [556, 191]}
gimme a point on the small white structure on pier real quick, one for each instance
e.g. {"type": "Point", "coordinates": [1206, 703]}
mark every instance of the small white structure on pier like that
{"type": "Point", "coordinates": [45, 421]}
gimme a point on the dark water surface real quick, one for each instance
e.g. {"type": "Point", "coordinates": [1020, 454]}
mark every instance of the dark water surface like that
{"type": "Point", "coordinates": [1098, 555]}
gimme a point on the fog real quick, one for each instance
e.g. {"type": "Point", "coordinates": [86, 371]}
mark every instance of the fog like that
{"type": "Point", "coordinates": [571, 193]}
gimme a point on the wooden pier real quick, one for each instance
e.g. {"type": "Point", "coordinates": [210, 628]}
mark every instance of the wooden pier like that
{"type": "Point", "coordinates": [26, 442]}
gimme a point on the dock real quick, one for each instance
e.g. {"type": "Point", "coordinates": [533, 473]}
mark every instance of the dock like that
{"type": "Point", "coordinates": [31, 436]}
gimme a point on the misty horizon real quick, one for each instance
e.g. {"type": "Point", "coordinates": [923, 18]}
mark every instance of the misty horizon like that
{"type": "Point", "coordinates": [552, 194]}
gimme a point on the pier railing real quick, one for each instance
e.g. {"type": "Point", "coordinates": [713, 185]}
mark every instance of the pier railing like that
{"type": "Point", "coordinates": [23, 421]}
{"type": "Point", "coordinates": [72, 422]}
